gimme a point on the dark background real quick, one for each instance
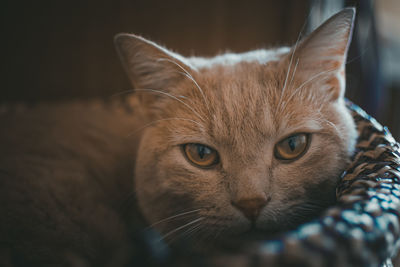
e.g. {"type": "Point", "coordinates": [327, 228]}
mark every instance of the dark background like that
{"type": "Point", "coordinates": [62, 50]}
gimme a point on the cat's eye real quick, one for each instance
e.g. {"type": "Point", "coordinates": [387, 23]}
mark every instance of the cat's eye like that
{"type": "Point", "coordinates": [292, 147]}
{"type": "Point", "coordinates": [201, 155]}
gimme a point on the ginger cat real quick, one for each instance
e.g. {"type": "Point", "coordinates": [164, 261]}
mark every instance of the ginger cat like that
{"type": "Point", "coordinates": [211, 149]}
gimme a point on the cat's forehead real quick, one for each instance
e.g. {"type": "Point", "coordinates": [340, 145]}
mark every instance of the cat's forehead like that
{"type": "Point", "coordinates": [251, 112]}
{"type": "Point", "coordinates": [246, 103]}
{"type": "Point", "coordinates": [243, 105]}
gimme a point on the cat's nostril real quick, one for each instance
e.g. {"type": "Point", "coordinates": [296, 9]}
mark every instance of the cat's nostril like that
{"type": "Point", "coordinates": [251, 207]}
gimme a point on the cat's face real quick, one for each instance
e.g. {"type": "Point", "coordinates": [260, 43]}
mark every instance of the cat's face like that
{"type": "Point", "coordinates": [246, 142]}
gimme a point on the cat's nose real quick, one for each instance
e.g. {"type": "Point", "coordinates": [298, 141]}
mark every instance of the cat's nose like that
{"type": "Point", "coordinates": [251, 207]}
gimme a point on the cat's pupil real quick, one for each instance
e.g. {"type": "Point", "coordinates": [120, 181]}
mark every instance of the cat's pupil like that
{"type": "Point", "coordinates": [292, 143]}
{"type": "Point", "coordinates": [202, 151]}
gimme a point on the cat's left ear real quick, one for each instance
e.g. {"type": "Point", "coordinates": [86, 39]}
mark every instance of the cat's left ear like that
{"type": "Point", "coordinates": [321, 56]}
{"type": "Point", "coordinates": [148, 65]}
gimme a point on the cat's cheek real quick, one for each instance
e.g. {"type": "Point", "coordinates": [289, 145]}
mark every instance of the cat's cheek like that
{"type": "Point", "coordinates": [170, 186]}
{"type": "Point", "coordinates": [303, 181]}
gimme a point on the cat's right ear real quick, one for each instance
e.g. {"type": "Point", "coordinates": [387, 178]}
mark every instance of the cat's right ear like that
{"type": "Point", "coordinates": [321, 56]}
{"type": "Point", "coordinates": [148, 65]}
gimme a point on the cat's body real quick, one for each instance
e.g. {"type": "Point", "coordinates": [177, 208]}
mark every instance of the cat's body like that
{"type": "Point", "coordinates": [66, 180]}
{"type": "Point", "coordinates": [268, 120]}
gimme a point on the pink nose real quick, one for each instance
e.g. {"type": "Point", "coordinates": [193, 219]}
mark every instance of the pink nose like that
{"type": "Point", "coordinates": [251, 207]}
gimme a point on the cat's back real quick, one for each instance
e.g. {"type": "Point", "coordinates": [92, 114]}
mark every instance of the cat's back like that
{"type": "Point", "coordinates": [65, 169]}
{"type": "Point", "coordinates": [63, 130]}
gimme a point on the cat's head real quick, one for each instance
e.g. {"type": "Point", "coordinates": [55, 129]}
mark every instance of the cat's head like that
{"type": "Point", "coordinates": [239, 142]}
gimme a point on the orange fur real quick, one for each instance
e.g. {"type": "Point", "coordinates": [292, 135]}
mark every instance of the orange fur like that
{"type": "Point", "coordinates": [241, 106]}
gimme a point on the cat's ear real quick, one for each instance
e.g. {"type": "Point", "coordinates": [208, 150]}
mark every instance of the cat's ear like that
{"type": "Point", "coordinates": [148, 65]}
{"type": "Point", "coordinates": [322, 55]}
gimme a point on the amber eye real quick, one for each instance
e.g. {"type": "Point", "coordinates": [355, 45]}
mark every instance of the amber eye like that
{"type": "Point", "coordinates": [292, 147]}
{"type": "Point", "coordinates": [201, 155]}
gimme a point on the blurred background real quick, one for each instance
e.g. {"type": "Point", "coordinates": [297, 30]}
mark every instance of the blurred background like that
{"type": "Point", "coordinates": [63, 50]}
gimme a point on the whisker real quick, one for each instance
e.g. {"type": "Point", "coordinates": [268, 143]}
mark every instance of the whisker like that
{"type": "Point", "coordinates": [294, 71]}
{"type": "Point", "coordinates": [289, 67]}
{"type": "Point", "coordinates": [186, 233]}
{"type": "Point", "coordinates": [287, 76]}
{"type": "Point", "coordinates": [173, 97]}
{"type": "Point", "coordinates": [165, 119]}
{"type": "Point", "coordinates": [189, 76]}
{"type": "Point", "coordinates": [201, 91]}
{"type": "Point", "coordinates": [159, 92]}
{"type": "Point", "coordinates": [295, 91]}
{"type": "Point", "coordinates": [209, 232]}
{"type": "Point", "coordinates": [181, 227]}
{"type": "Point", "coordinates": [316, 76]}
{"type": "Point", "coordinates": [282, 104]}
{"type": "Point", "coordinates": [294, 50]}
{"type": "Point", "coordinates": [335, 128]}
{"type": "Point", "coordinates": [122, 93]}
{"type": "Point", "coordinates": [288, 71]}
{"type": "Point", "coordinates": [330, 124]}
{"type": "Point", "coordinates": [174, 217]}
{"type": "Point", "coordinates": [194, 230]}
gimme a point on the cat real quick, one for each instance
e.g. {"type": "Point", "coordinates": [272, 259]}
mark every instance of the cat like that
{"type": "Point", "coordinates": [211, 150]}
{"type": "Point", "coordinates": [238, 141]}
